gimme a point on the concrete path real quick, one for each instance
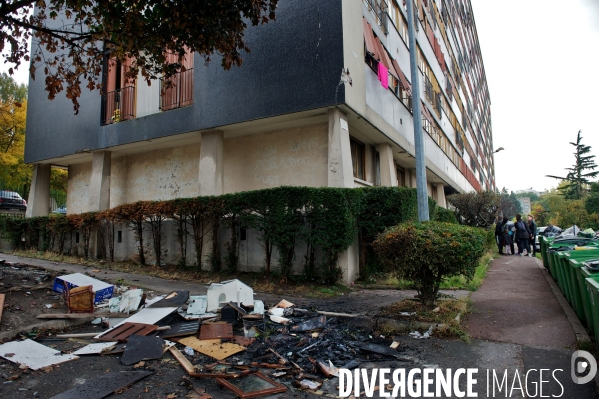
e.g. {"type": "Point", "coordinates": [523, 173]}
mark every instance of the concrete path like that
{"type": "Point", "coordinates": [515, 304]}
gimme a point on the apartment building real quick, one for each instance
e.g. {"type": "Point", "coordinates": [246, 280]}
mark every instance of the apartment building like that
{"type": "Point", "coordinates": [323, 99]}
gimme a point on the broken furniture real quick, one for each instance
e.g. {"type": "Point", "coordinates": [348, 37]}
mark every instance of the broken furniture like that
{"type": "Point", "coordinates": [142, 348]}
{"type": "Point", "coordinates": [101, 289]}
{"type": "Point", "coordinates": [214, 348]}
{"type": "Point", "coordinates": [126, 330]}
{"type": "Point", "coordinates": [219, 294]}
{"type": "Point", "coordinates": [216, 331]}
{"type": "Point", "coordinates": [252, 386]}
{"type": "Point", "coordinates": [79, 299]}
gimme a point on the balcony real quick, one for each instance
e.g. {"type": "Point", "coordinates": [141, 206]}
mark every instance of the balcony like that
{"type": "Point", "coordinates": [118, 105]}
{"type": "Point", "coordinates": [176, 91]}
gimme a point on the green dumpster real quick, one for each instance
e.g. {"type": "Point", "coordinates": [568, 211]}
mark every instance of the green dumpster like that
{"type": "Point", "coordinates": [563, 269]}
{"type": "Point", "coordinates": [582, 273]}
{"type": "Point", "coordinates": [574, 287]}
{"type": "Point", "coordinates": [545, 243]}
{"type": "Point", "coordinates": [593, 288]}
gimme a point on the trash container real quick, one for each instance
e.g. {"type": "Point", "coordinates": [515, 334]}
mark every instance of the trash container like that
{"type": "Point", "coordinates": [593, 288]}
{"type": "Point", "coordinates": [582, 274]}
{"type": "Point", "coordinates": [545, 243]}
{"type": "Point", "coordinates": [573, 284]}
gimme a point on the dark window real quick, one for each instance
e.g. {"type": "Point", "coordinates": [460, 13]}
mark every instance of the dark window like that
{"type": "Point", "coordinates": [242, 234]}
{"type": "Point", "coordinates": [77, 238]}
{"type": "Point", "coordinates": [401, 176]}
{"type": "Point", "coordinates": [377, 168]}
{"type": "Point", "coordinates": [119, 236]}
{"type": "Point", "coordinates": [177, 91]}
{"type": "Point", "coordinates": [357, 158]}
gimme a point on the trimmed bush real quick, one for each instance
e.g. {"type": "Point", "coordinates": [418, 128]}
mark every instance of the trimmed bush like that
{"type": "Point", "coordinates": [426, 253]}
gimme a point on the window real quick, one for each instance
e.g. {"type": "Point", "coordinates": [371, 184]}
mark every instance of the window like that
{"type": "Point", "coordinates": [357, 158]}
{"type": "Point", "coordinates": [118, 100]}
{"type": "Point", "coordinates": [177, 91]}
{"type": "Point", "coordinates": [119, 236]}
{"type": "Point", "coordinates": [401, 176]}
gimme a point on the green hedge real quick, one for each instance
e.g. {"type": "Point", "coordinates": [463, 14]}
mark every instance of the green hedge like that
{"type": "Point", "coordinates": [326, 220]}
{"type": "Point", "coordinates": [426, 253]}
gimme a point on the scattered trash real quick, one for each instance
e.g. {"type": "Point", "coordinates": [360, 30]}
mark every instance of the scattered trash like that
{"type": "Point", "coordinates": [407, 314]}
{"type": "Point", "coordinates": [258, 308]}
{"type": "Point", "coordinates": [142, 348]}
{"type": "Point", "coordinates": [104, 385]}
{"type": "Point", "coordinates": [124, 331]}
{"type": "Point", "coordinates": [252, 386]}
{"type": "Point", "coordinates": [316, 323]}
{"type": "Point", "coordinates": [130, 301]}
{"type": "Point", "coordinates": [214, 348]}
{"type": "Point", "coordinates": [80, 299]}
{"type": "Point", "coordinates": [189, 350]}
{"type": "Point", "coordinates": [95, 348]}
{"type": "Point", "coordinates": [284, 304]}
{"type": "Point", "coordinates": [394, 345]}
{"type": "Point", "coordinates": [309, 384]}
{"type": "Point", "coordinates": [280, 320]}
{"type": "Point", "coordinates": [97, 321]}
{"type": "Point", "coordinates": [101, 289]}
{"type": "Point", "coordinates": [175, 299]}
{"type": "Point", "coordinates": [197, 304]}
{"type": "Point", "coordinates": [216, 331]}
{"type": "Point", "coordinates": [32, 354]}
{"type": "Point", "coordinates": [219, 294]}
{"type": "Point", "coordinates": [417, 335]}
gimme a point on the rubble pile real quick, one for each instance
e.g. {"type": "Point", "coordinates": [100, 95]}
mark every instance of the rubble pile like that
{"type": "Point", "coordinates": [226, 335]}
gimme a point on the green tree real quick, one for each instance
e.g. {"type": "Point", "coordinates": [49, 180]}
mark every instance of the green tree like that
{"type": "Point", "coordinates": [577, 180]}
{"type": "Point", "coordinates": [71, 38]}
{"type": "Point", "coordinates": [591, 203]}
{"type": "Point", "coordinates": [476, 209]}
{"type": "Point", "coordinates": [509, 205]}
{"type": "Point", "coordinates": [14, 174]}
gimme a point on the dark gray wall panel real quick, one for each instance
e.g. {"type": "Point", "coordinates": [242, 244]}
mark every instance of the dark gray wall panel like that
{"type": "Point", "coordinates": [294, 65]}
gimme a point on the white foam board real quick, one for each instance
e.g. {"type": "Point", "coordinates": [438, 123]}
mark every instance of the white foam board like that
{"type": "Point", "coordinates": [95, 349]}
{"type": "Point", "coordinates": [32, 354]}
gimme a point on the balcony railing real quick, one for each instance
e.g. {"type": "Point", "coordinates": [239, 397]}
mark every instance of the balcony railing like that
{"type": "Point", "coordinates": [176, 91]}
{"type": "Point", "coordinates": [118, 105]}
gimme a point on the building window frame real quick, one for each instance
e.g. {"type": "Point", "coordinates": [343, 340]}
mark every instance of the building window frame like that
{"type": "Point", "coordinates": [358, 158]}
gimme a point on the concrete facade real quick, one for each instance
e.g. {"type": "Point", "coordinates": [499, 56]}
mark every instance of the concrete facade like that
{"type": "Point", "coordinates": [284, 118]}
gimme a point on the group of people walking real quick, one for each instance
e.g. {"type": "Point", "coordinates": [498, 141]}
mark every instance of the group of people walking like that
{"type": "Point", "coordinates": [523, 233]}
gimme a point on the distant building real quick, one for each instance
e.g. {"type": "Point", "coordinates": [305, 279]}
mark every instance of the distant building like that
{"type": "Point", "coordinates": [529, 190]}
{"type": "Point", "coordinates": [525, 203]}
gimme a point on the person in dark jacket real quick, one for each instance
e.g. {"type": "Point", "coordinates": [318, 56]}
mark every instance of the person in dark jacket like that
{"type": "Point", "coordinates": [522, 234]}
{"type": "Point", "coordinates": [498, 236]}
{"type": "Point", "coordinates": [532, 226]}
{"type": "Point", "coordinates": [507, 240]}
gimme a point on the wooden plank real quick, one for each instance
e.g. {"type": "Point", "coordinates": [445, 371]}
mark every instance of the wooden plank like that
{"type": "Point", "coordinates": [124, 331]}
{"type": "Point", "coordinates": [212, 347]}
{"type": "Point", "coordinates": [79, 315]}
{"type": "Point", "coordinates": [2, 296]}
{"type": "Point", "coordinates": [216, 331]}
{"type": "Point", "coordinates": [186, 364]}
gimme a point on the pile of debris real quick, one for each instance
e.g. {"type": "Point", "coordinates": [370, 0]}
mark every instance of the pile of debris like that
{"type": "Point", "coordinates": [225, 335]}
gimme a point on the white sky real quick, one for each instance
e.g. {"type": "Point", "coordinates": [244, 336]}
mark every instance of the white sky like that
{"type": "Point", "coordinates": [541, 59]}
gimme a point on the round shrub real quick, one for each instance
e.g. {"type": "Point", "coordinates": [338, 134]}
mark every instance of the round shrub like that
{"type": "Point", "coordinates": [426, 253]}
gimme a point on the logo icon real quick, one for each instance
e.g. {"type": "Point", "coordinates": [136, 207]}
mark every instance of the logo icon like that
{"type": "Point", "coordinates": [583, 366]}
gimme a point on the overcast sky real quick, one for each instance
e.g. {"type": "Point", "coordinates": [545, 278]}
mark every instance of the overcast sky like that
{"type": "Point", "coordinates": [541, 59]}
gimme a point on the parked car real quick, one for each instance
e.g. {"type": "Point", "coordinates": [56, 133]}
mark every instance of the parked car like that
{"type": "Point", "coordinates": [12, 201]}
{"type": "Point", "coordinates": [61, 210]}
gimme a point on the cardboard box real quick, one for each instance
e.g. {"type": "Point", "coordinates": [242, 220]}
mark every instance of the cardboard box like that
{"type": "Point", "coordinates": [101, 289]}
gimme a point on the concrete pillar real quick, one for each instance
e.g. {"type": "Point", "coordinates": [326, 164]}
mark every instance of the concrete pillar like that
{"type": "Point", "coordinates": [211, 178]}
{"type": "Point", "coordinates": [440, 195]}
{"type": "Point", "coordinates": [38, 203]}
{"type": "Point", "coordinates": [388, 171]}
{"type": "Point", "coordinates": [99, 196]}
{"type": "Point", "coordinates": [340, 169]}
{"type": "Point", "coordinates": [341, 174]}
{"type": "Point", "coordinates": [99, 184]}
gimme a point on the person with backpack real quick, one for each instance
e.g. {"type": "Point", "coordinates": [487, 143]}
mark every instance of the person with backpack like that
{"type": "Point", "coordinates": [522, 235]}
{"type": "Point", "coordinates": [498, 236]}
{"type": "Point", "coordinates": [532, 226]}
{"type": "Point", "coordinates": [507, 240]}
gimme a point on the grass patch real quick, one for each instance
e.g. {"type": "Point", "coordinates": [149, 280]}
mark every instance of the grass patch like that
{"type": "Point", "coordinates": [453, 283]}
{"type": "Point", "coordinates": [258, 281]}
{"type": "Point", "coordinates": [448, 312]}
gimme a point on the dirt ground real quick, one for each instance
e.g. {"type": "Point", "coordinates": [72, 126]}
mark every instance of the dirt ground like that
{"type": "Point", "coordinates": [28, 293]}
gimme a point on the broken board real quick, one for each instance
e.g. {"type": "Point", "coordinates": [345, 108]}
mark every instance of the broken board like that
{"type": "Point", "coordinates": [181, 329]}
{"type": "Point", "coordinates": [214, 348]}
{"type": "Point", "coordinates": [95, 348]}
{"type": "Point", "coordinates": [32, 354]}
{"type": "Point", "coordinates": [216, 331]}
{"type": "Point", "coordinates": [103, 386]}
{"type": "Point", "coordinates": [124, 331]}
{"type": "Point", "coordinates": [142, 348]}
{"type": "Point", "coordinates": [175, 299]}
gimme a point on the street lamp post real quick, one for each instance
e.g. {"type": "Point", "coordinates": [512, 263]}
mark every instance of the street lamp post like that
{"type": "Point", "coordinates": [423, 213]}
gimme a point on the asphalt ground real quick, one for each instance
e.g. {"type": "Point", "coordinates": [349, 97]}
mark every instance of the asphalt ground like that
{"type": "Point", "coordinates": [519, 327]}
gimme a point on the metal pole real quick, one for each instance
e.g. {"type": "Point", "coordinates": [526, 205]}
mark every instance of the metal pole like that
{"type": "Point", "coordinates": [423, 214]}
